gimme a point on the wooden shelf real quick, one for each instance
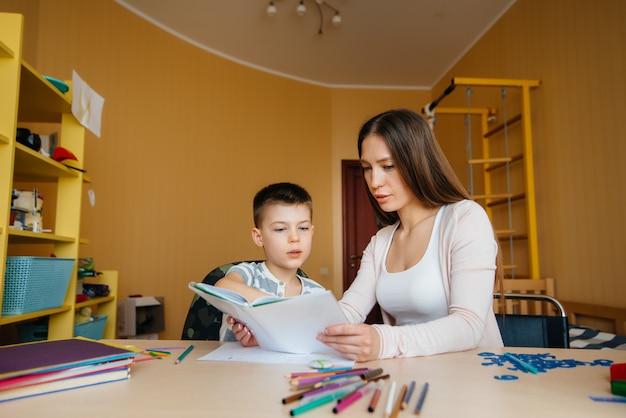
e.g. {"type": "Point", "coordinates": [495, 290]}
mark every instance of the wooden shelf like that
{"type": "Point", "coordinates": [95, 301]}
{"type": "Point", "coordinates": [40, 101]}
{"type": "Point", "coordinates": [32, 166]}
{"type": "Point", "coordinates": [12, 319]}
{"type": "Point", "coordinates": [17, 236]}
{"type": "Point", "coordinates": [5, 51]}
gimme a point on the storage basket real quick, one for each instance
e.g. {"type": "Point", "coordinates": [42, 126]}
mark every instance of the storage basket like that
{"type": "Point", "coordinates": [35, 283]}
{"type": "Point", "coordinates": [93, 329]}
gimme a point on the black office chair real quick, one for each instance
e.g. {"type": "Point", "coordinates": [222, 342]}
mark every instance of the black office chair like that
{"type": "Point", "coordinates": [527, 330]}
{"type": "Point", "coordinates": [204, 320]}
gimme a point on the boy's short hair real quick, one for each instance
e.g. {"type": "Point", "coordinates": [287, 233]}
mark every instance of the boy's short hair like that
{"type": "Point", "coordinates": [288, 193]}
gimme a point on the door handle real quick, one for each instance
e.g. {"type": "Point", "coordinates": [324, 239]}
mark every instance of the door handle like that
{"type": "Point", "coordinates": [354, 257]}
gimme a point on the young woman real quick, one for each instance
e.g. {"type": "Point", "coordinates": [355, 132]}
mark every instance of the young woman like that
{"type": "Point", "coordinates": [432, 268]}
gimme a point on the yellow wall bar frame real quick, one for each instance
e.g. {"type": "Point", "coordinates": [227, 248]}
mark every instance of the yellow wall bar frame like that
{"type": "Point", "coordinates": [529, 177]}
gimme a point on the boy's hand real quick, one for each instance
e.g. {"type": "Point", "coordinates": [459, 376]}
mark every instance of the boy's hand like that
{"type": "Point", "coordinates": [359, 342]}
{"type": "Point", "coordinates": [242, 333]}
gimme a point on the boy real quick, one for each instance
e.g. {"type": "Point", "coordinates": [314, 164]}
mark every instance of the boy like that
{"type": "Point", "coordinates": [283, 214]}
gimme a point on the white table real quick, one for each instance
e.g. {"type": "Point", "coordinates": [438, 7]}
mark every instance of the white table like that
{"type": "Point", "coordinates": [460, 386]}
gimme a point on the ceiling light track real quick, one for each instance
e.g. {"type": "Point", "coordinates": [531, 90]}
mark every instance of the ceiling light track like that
{"type": "Point", "coordinates": [301, 10]}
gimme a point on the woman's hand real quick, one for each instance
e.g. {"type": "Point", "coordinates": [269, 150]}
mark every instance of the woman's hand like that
{"type": "Point", "coordinates": [242, 333]}
{"type": "Point", "coordinates": [359, 342]}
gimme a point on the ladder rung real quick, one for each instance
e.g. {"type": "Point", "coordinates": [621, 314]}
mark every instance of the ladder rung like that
{"type": "Point", "coordinates": [492, 196]}
{"type": "Point", "coordinates": [514, 237]}
{"type": "Point", "coordinates": [490, 160]}
{"type": "Point", "coordinates": [500, 127]}
{"type": "Point", "coordinates": [504, 231]}
{"type": "Point", "coordinates": [514, 158]}
{"type": "Point", "coordinates": [506, 199]}
{"type": "Point", "coordinates": [509, 266]}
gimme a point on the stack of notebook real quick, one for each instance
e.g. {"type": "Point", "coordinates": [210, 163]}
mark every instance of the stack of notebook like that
{"type": "Point", "coordinates": [51, 366]}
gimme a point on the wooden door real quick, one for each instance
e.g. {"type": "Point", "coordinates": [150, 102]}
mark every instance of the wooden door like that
{"type": "Point", "coordinates": [359, 225]}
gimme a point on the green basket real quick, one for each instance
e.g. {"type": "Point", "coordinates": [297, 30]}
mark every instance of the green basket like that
{"type": "Point", "coordinates": [35, 283]}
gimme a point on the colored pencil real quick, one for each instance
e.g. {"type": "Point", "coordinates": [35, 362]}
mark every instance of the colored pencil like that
{"type": "Point", "coordinates": [331, 386]}
{"type": "Point", "coordinates": [312, 405]}
{"type": "Point", "coordinates": [382, 377]}
{"type": "Point", "coordinates": [420, 401]}
{"type": "Point", "coordinates": [340, 392]}
{"type": "Point", "coordinates": [184, 354]}
{"type": "Point", "coordinates": [407, 397]}
{"type": "Point", "coordinates": [398, 405]}
{"type": "Point", "coordinates": [314, 390]}
{"type": "Point", "coordinates": [318, 371]}
{"type": "Point", "coordinates": [371, 374]}
{"type": "Point", "coordinates": [157, 352]}
{"type": "Point", "coordinates": [376, 396]}
{"type": "Point", "coordinates": [521, 363]}
{"type": "Point", "coordinates": [390, 396]}
{"type": "Point", "coordinates": [353, 397]}
{"type": "Point", "coordinates": [315, 379]}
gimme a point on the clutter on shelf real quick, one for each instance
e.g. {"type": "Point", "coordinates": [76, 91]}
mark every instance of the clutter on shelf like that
{"type": "Point", "coordinates": [26, 210]}
{"type": "Point", "coordinates": [84, 291]}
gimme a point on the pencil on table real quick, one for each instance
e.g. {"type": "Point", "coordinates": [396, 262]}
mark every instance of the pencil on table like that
{"type": "Point", "coordinates": [390, 396]}
{"type": "Point", "coordinates": [520, 363]}
{"type": "Point", "coordinates": [407, 397]}
{"type": "Point", "coordinates": [317, 372]}
{"type": "Point", "coordinates": [184, 354]}
{"type": "Point", "coordinates": [376, 396]}
{"type": "Point", "coordinates": [420, 401]}
{"type": "Point", "coordinates": [398, 404]}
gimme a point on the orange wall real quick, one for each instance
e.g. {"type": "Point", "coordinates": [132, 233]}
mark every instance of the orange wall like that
{"type": "Point", "coordinates": [188, 138]}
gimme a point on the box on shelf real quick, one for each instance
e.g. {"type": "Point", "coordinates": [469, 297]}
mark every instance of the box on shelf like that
{"type": "Point", "coordinates": [140, 317]}
{"type": "Point", "coordinates": [35, 283]}
{"type": "Point", "coordinates": [26, 210]}
{"type": "Point", "coordinates": [93, 329]}
{"type": "Point", "coordinates": [27, 200]}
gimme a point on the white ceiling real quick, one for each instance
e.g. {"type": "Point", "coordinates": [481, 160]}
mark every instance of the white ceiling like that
{"type": "Point", "coordinates": [379, 44]}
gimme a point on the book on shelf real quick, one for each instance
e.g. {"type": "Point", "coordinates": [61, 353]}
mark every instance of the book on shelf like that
{"type": "Point", "coordinates": [287, 325]}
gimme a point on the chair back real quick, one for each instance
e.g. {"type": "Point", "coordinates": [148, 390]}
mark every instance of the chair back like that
{"type": "Point", "coordinates": [525, 306]}
{"type": "Point", "coordinates": [533, 330]}
{"type": "Point", "coordinates": [204, 320]}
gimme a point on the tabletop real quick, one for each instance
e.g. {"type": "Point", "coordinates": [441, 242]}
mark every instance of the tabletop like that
{"type": "Point", "coordinates": [471, 383]}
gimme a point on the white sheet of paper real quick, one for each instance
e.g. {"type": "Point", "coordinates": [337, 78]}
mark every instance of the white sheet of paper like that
{"type": "Point", "coordinates": [233, 351]}
{"type": "Point", "coordinates": [86, 104]}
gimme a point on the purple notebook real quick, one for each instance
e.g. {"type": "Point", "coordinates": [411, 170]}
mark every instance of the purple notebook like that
{"type": "Point", "coordinates": [44, 356]}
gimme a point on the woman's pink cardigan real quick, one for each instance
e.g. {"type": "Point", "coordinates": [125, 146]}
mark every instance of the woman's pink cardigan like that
{"type": "Point", "coordinates": [467, 254]}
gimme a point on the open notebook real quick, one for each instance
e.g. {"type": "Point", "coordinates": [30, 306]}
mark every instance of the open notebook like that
{"type": "Point", "coordinates": [279, 324]}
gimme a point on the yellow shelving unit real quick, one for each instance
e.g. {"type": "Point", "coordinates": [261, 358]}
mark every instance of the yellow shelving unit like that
{"type": "Point", "coordinates": [503, 181]}
{"type": "Point", "coordinates": [27, 97]}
